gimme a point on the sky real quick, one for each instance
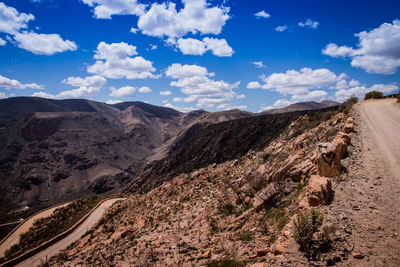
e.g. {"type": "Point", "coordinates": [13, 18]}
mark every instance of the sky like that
{"type": "Point", "coordinates": [214, 55]}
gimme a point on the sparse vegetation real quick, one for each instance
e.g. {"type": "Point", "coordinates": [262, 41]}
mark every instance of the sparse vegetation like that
{"type": "Point", "coordinates": [306, 225]}
{"type": "Point", "coordinates": [373, 95]}
{"type": "Point", "coordinates": [346, 106]}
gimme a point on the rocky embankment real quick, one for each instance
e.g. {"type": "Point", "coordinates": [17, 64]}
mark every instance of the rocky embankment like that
{"type": "Point", "coordinates": [240, 212]}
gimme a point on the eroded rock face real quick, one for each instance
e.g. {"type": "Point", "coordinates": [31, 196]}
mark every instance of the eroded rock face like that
{"type": "Point", "coordinates": [265, 195]}
{"type": "Point", "coordinates": [328, 160]}
{"type": "Point", "coordinates": [316, 185]}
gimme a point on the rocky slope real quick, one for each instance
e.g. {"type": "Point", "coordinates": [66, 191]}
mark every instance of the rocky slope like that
{"type": "Point", "coordinates": [237, 212]}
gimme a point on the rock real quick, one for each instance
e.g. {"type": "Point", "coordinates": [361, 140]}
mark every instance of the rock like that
{"type": "Point", "coordinates": [206, 254]}
{"type": "Point", "coordinates": [328, 160]}
{"type": "Point", "coordinates": [348, 127]}
{"type": "Point", "coordinates": [357, 255]}
{"type": "Point", "coordinates": [259, 264]}
{"type": "Point", "coordinates": [262, 252]}
{"type": "Point", "coordinates": [314, 191]}
{"type": "Point", "coordinates": [279, 249]}
{"type": "Point", "coordinates": [341, 142]}
{"type": "Point", "coordinates": [265, 195]}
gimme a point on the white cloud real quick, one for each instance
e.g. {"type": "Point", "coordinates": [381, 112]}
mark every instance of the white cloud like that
{"type": "Point", "coordinates": [262, 14]}
{"type": "Point", "coordinates": [336, 51]}
{"type": "Point", "coordinates": [11, 21]}
{"type": "Point", "coordinates": [88, 87]}
{"type": "Point", "coordinates": [197, 16]}
{"type": "Point", "coordinates": [153, 47]}
{"type": "Point", "coordinates": [219, 47]}
{"type": "Point", "coordinates": [123, 92]}
{"type": "Point", "coordinates": [177, 99]}
{"type": "Point", "coordinates": [43, 44]}
{"type": "Point", "coordinates": [178, 71]}
{"type": "Point", "coordinates": [191, 46]}
{"type": "Point", "coordinates": [240, 96]}
{"type": "Point", "coordinates": [104, 9]}
{"type": "Point", "coordinates": [114, 61]}
{"type": "Point", "coordinates": [43, 95]}
{"type": "Point", "coordinates": [2, 42]}
{"type": "Point", "coordinates": [181, 109]}
{"type": "Point", "coordinates": [2, 95]}
{"type": "Point", "coordinates": [258, 64]}
{"type": "Point", "coordinates": [360, 91]}
{"type": "Point", "coordinates": [165, 92]}
{"type": "Point", "coordinates": [113, 101]}
{"type": "Point", "coordinates": [309, 23]}
{"type": "Point", "coordinates": [317, 95]}
{"type": "Point", "coordinates": [144, 89]}
{"type": "Point", "coordinates": [8, 84]}
{"type": "Point", "coordinates": [297, 82]}
{"type": "Point", "coordinates": [134, 30]}
{"type": "Point", "coordinates": [281, 28]}
{"type": "Point", "coordinates": [378, 50]}
{"type": "Point", "coordinates": [194, 82]}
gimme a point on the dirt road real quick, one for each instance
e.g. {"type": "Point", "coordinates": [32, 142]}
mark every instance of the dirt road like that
{"type": "Point", "coordinates": [41, 257]}
{"type": "Point", "coordinates": [14, 237]}
{"type": "Point", "coordinates": [367, 201]}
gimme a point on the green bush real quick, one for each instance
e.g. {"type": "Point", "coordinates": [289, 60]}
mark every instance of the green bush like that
{"type": "Point", "coordinates": [306, 225]}
{"type": "Point", "coordinates": [346, 106]}
{"type": "Point", "coordinates": [373, 95]}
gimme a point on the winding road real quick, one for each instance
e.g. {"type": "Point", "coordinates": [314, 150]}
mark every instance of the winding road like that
{"type": "Point", "coordinates": [13, 238]}
{"type": "Point", "coordinates": [94, 217]}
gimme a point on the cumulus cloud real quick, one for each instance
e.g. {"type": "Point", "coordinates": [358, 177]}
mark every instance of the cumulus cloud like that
{"type": "Point", "coordinates": [44, 95]}
{"type": "Point", "coordinates": [191, 46]}
{"type": "Point", "coordinates": [115, 61]}
{"type": "Point", "coordinates": [219, 47]}
{"type": "Point", "coordinates": [144, 89]}
{"type": "Point", "coordinates": [262, 14]}
{"type": "Point", "coordinates": [281, 28]}
{"type": "Point", "coordinates": [104, 9]}
{"type": "Point", "coordinates": [8, 84]}
{"type": "Point", "coordinates": [258, 64]}
{"type": "Point", "coordinates": [88, 87]}
{"type": "Point", "coordinates": [123, 92]}
{"type": "Point", "coordinates": [361, 90]}
{"type": "Point", "coordinates": [309, 23]}
{"type": "Point", "coordinates": [196, 16]}
{"type": "Point", "coordinates": [317, 95]}
{"type": "Point", "coordinates": [297, 82]}
{"type": "Point", "coordinates": [113, 101]}
{"type": "Point", "coordinates": [2, 42]}
{"type": "Point", "coordinates": [378, 50]}
{"type": "Point", "coordinates": [2, 95]}
{"type": "Point", "coordinates": [194, 82]}
{"type": "Point", "coordinates": [43, 44]}
{"type": "Point", "coordinates": [165, 92]}
{"type": "Point", "coordinates": [181, 109]}
{"type": "Point", "coordinates": [11, 21]}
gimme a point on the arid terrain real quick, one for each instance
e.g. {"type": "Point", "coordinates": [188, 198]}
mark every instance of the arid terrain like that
{"type": "Point", "coordinates": [239, 200]}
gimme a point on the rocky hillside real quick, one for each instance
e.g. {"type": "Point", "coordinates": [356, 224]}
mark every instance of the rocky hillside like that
{"type": "Point", "coordinates": [57, 150]}
{"type": "Point", "coordinates": [238, 212]}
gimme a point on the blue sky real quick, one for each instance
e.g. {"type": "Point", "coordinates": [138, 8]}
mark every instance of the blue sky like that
{"type": "Point", "coordinates": [214, 55]}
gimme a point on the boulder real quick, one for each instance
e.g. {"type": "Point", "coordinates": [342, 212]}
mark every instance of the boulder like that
{"type": "Point", "coordinates": [348, 127]}
{"type": "Point", "coordinates": [265, 195]}
{"type": "Point", "coordinates": [328, 159]}
{"type": "Point", "coordinates": [341, 143]}
{"type": "Point", "coordinates": [314, 192]}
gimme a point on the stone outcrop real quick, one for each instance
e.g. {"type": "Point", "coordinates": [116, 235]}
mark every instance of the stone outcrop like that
{"type": "Point", "coordinates": [328, 161]}
{"type": "Point", "coordinates": [316, 185]}
{"type": "Point", "coordinates": [265, 195]}
{"type": "Point", "coordinates": [349, 126]}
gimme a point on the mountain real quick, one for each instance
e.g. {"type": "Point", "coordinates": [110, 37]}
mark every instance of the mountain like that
{"type": "Point", "coordinates": [57, 150]}
{"type": "Point", "coordinates": [303, 106]}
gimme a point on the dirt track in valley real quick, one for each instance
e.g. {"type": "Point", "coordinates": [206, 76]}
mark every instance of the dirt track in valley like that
{"type": "Point", "coordinates": [42, 256]}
